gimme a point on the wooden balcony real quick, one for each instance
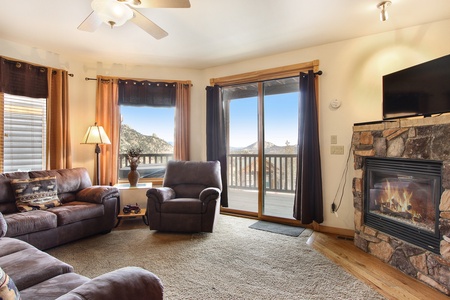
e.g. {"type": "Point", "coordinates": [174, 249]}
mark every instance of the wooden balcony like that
{"type": "Point", "coordinates": [280, 172]}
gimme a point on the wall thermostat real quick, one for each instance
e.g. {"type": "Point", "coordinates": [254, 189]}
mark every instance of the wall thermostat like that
{"type": "Point", "coordinates": [335, 103]}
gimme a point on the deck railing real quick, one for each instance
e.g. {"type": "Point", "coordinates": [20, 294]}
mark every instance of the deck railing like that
{"type": "Point", "coordinates": [280, 172]}
{"type": "Point", "coordinates": [147, 158]}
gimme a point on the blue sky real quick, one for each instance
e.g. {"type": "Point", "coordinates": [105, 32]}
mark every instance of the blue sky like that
{"type": "Point", "coordinates": [280, 119]}
{"type": "Point", "coordinates": [149, 120]}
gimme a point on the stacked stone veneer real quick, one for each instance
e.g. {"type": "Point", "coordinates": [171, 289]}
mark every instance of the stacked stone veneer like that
{"type": "Point", "coordinates": [427, 138]}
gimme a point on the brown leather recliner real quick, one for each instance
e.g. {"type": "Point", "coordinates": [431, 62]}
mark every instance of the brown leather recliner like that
{"type": "Point", "coordinates": [189, 200]}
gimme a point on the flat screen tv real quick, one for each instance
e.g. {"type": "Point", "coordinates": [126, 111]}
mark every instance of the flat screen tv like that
{"type": "Point", "coordinates": [421, 90]}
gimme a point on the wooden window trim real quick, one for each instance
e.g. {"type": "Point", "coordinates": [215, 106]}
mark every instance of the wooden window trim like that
{"type": "Point", "coordinates": [267, 74]}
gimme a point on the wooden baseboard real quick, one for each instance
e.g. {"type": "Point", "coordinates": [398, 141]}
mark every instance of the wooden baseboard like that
{"type": "Point", "coordinates": [335, 230]}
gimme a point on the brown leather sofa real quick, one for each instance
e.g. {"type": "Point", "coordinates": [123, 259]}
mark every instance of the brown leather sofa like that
{"type": "Point", "coordinates": [189, 200]}
{"type": "Point", "coordinates": [86, 209]}
{"type": "Point", "coordinates": [38, 275]}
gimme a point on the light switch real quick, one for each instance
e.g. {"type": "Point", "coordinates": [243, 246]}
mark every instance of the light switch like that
{"type": "Point", "coordinates": [334, 139]}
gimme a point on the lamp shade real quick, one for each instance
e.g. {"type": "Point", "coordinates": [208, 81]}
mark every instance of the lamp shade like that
{"type": "Point", "coordinates": [95, 135]}
{"type": "Point", "coordinates": [112, 12]}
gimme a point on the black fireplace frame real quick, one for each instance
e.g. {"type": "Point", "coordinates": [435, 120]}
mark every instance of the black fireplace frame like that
{"type": "Point", "coordinates": [408, 233]}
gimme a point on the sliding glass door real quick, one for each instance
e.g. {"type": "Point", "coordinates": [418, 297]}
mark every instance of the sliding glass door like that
{"type": "Point", "coordinates": [242, 116]}
{"type": "Point", "coordinates": [280, 128]}
{"type": "Point", "coordinates": [262, 120]}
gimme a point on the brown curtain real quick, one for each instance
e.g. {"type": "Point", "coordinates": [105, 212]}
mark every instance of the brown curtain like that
{"type": "Point", "coordinates": [182, 121]}
{"type": "Point", "coordinates": [308, 201]}
{"type": "Point", "coordinates": [147, 93]}
{"type": "Point", "coordinates": [108, 116]}
{"type": "Point", "coordinates": [23, 79]}
{"type": "Point", "coordinates": [59, 154]}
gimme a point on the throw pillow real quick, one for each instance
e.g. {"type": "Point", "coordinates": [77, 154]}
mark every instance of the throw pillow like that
{"type": "Point", "coordinates": [8, 290]}
{"type": "Point", "coordinates": [35, 193]}
{"type": "Point", "coordinates": [3, 226]}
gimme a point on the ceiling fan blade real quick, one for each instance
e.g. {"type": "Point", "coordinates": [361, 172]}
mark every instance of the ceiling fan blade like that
{"type": "Point", "coordinates": [158, 3]}
{"type": "Point", "coordinates": [91, 23]}
{"type": "Point", "coordinates": [148, 26]}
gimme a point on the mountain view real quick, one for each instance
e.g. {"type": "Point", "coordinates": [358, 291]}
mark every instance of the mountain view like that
{"type": "Point", "coordinates": [270, 148]}
{"type": "Point", "coordinates": [130, 138]}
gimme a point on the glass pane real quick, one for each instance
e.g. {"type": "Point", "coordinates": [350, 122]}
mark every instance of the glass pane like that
{"type": "Point", "coordinates": [280, 146]}
{"type": "Point", "coordinates": [242, 111]}
{"type": "Point", "coordinates": [152, 130]}
{"type": "Point", "coordinates": [24, 133]}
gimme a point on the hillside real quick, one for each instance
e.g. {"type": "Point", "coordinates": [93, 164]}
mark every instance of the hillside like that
{"type": "Point", "coordinates": [271, 148]}
{"type": "Point", "coordinates": [149, 144]}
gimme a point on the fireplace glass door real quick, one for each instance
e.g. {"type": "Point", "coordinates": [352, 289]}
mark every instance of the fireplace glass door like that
{"type": "Point", "coordinates": [402, 198]}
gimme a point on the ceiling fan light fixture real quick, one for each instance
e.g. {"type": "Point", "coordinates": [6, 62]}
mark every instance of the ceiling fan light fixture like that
{"type": "Point", "coordinates": [383, 13]}
{"type": "Point", "coordinates": [112, 12]}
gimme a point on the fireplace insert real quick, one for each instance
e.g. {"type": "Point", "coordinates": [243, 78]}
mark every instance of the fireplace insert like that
{"type": "Point", "coordinates": [401, 198]}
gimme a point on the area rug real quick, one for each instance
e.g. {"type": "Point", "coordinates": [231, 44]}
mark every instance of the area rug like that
{"type": "Point", "coordinates": [234, 262]}
{"type": "Point", "coordinates": [277, 228]}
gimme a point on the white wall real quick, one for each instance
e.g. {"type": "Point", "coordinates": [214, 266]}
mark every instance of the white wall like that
{"type": "Point", "coordinates": [352, 74]}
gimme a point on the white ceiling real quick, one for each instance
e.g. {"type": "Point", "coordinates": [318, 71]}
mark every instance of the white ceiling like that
{"type": "Point", "coordinates": [211, 32]}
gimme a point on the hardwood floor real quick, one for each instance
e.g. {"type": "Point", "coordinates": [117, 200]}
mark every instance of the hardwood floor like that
{"type": "Point", "coordinates": [385, 279]}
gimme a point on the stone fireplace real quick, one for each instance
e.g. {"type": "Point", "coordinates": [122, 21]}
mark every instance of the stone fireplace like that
{"type": "Point", "coordinates": [402, 195]}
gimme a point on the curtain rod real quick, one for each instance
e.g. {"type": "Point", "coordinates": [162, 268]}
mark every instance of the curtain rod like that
{"type": "Point", "coordinates": [90, 78]}
{"type": "Point", "coordinates": [318, 72]}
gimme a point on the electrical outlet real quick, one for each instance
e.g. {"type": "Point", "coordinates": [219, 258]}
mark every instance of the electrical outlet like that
{"type": "Point", "coordinates": [337, 150]}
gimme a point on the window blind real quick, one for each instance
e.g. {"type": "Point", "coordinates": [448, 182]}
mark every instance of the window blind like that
{"type": "Point", "coordinates": [24, 132]}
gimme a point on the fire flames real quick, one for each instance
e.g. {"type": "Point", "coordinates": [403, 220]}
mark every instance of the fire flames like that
{"type": "Point", "coordinates": [396, 201]}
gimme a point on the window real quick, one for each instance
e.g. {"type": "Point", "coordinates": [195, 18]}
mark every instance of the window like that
{"type": "Point", "coordinates": [152, 130]}
{"type": "Point", "coordinates": [24, 133]}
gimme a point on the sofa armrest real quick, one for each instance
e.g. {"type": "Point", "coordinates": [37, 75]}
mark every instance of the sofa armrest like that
{"type": "Point", "coordinates": [208, 194]}
{"type": "Point", "coordinates": [161, 194]}
{"type": "Point", "coordinates": [122, 284]}
{"type": "Point", "coordinates": [97, 194]}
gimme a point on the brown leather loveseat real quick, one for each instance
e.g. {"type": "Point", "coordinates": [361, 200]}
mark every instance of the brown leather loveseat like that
{"type": "Point", "coordinates": [86, 209]}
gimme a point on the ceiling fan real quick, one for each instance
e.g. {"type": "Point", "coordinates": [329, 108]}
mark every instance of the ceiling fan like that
{"type": "Point", "coordinates": [117, 12]}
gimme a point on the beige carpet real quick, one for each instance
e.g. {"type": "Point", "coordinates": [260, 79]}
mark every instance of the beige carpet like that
{"type": "Point", "coordinates": [234, 262]}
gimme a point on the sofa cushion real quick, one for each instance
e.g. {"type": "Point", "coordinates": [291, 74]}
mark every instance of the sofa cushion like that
{"type": "Point", "coordinates": [8, 290]}
{"type": "Point", "coordinates": [54, 287]}
{"type": "Point", "coordinates": [69, 180]}
{"type": "Point", "coordinates": [11, 245]}
{"type": "Point", "coordinates": [43, 267]}
{"type": "Point", "coordinates": [77, 211]}
{"type": "Point", "coordinates": [7, 200]}
{"type": "Point", "coordinates": [35, 193]}
{"type": "Point", "coordinates": [28, 222]}
{"type": "Point", "coordinates": [122, 284]}
{"type": "Point", "coordinates": [182, 205]}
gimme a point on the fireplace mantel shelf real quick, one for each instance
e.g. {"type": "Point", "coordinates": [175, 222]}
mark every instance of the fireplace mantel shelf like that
{"type": "Point", "coordinates": [402, 123]}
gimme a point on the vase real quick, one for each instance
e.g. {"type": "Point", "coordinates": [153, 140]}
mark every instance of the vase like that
{"type": "Point", "coordinates": [133, 175]}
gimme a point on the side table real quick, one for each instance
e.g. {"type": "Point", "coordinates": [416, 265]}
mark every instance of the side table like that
{"type": "Point", "coordinates": [132, 195]}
